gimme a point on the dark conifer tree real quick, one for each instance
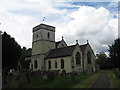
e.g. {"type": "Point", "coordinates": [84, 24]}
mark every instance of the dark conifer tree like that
{"type": "Point", "coordinates": [114, 53]}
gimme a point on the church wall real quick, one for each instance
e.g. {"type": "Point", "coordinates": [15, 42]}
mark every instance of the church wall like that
{"type": "Point", "coordinates": [62, 44]}
{"type": "Point", "coordinates": [67, 64]}
{"type": "Point", "coordinates": [42, 34]}
{"type": "Point", "coordinates": [43, 41]}
{"type": "Point", "coordinates": [46, 46]}
{"type": "Point", "coordinates": [89, 67]}
{"type": "Point", "coordinates": [36, 47]}
{"type": "Point", "coordinates": [40, 60]}
{"type": "Point", "coordinates": [78, 68]}
{"type": "Point", "coordinates": [93, 63]}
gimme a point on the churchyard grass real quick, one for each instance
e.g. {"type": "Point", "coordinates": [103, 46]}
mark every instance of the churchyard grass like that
{"type": "Point", "coordinates": [82, 80]}
{"type": "Point", "coordinates": [115, 82]}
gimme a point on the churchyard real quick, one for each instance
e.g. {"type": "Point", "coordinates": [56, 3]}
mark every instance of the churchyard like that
{"type": "Point", "coordinates": [36, 80]}
{"type": "Point", "coordinates": [27, 79]}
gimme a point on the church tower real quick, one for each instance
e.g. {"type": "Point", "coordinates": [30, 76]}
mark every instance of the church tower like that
{"type": "Point", "coordinates": [43, 41]}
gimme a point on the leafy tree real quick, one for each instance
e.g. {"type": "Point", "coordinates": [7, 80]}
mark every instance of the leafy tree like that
{"type": "Point", "coordinates": [11, 52]}
{"type": "Point", "coordinates": [114, 53]}
{"type": "Point", "coordinates": [103, 61]}
{"type": "Point", "coordinates": [25, 53]}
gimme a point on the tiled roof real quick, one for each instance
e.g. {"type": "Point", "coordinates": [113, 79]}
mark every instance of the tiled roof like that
{"type": "Point", "coordinates": [60, 52]}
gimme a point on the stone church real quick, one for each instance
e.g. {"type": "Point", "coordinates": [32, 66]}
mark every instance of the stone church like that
{"type": "Point", "coordinates": [58, 56]}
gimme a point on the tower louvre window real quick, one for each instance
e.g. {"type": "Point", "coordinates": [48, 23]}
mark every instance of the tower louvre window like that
{"type": "Point", "coordinates": [37, 36]}
{"type": "Point", "coordinates": [48, 35]}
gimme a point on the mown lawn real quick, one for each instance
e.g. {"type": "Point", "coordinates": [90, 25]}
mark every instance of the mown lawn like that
{"type": "Point", "coordinates": [81, 81]}
{"type": "Point", "coordinates": [115, 83]}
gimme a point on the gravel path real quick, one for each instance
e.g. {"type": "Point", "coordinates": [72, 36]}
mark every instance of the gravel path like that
{"type": "Point", "coordinates": [102, 81]}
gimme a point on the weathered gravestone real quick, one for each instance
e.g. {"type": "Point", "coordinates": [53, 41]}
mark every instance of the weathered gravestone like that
{"type": "Point", "coordinates": [73, 74]}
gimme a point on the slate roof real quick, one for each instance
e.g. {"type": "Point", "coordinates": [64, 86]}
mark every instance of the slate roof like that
{"type": "Point", "coordinates": [57, 43]}
{"type": "Point", "coordinates": [83, 47]}
{"type": "Point", "coordinates": [29, 53]}
{"type": "Point", "coordinates": [60, 52]}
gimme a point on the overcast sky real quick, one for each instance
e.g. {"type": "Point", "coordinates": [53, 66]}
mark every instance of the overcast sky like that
{"type": "Point", "coordinates": [93, 21]}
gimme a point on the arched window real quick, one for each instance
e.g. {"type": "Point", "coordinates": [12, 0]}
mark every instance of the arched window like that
{"type": "Point", "coordinates": [31, 66]}
{"type": "Point", "coordinates": [48, 35]}
{"type": "Point", "coordinates": [37, 36]}
{"type": "Point", "coordinates": [55, 64]}
{"type": "Point", "coordinates": [89, 57]}
{"type": "Point", "coordinates": [49, 64]}
{"type": "Point", "coordinates": [35, 64]}
{"type": "Point", "coordinates": [62, 63]}
{"type": "Point", "coordinates": [78, 58]}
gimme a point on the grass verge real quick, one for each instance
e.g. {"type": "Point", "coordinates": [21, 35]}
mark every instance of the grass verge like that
{"type": "Point", "coordinates": [115, 83]}
{"type": "Point", "coordinates": [88, 82]}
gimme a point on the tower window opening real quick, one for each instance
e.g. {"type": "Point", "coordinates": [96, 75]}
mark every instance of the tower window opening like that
{"type": "Point", "coordinates": [48, 35]}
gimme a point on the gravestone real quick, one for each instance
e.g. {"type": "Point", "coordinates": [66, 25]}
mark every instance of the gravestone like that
{"type": "Point", "coordinates": [63, 73]}
{"type": "Point", "coordinates": [73, 74]}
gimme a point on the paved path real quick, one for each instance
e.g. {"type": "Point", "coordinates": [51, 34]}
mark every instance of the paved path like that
{"type": "Point", "coordinates": [102, 81]}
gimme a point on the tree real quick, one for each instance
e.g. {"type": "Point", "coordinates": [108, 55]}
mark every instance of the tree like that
{"type": "Point", "coordinates": [114, 53]}
{"type": "Point", "coordinates": [25, 53]}
{"type": "Point", "coordinates": [103, 61]}
{"type": "Point", "coordinates": [11, 52]}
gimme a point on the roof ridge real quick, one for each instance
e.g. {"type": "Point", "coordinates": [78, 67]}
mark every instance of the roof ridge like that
{"type": "Point", "coordinates": [61, 52]}
{"type": "Point", "coordinates": [82, 44]}
{"type": "Point", "coordinates": [64, 47]}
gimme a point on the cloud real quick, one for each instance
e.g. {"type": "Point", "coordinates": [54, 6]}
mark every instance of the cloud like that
{"type": "Point", "coordinates": [94, 25]}
{"type": "Point", "coordinates": [18, 18]}
{"type": "Point", "coordinates": [71, 21]}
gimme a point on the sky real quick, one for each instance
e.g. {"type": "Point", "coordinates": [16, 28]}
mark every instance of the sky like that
{"type": "Point", "coordinates": [80, 20]}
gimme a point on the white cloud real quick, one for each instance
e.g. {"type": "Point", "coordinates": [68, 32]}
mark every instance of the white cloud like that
{"type": "Point", "coordinates": [94, 25]}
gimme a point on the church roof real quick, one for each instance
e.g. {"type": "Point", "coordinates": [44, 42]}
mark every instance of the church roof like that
{"type": "Point", "coordinates": [83, 47]}
{"type": "Point", "coordinates": [60, 52]}
{"type": "Point", "coordinates": [29, 53]}
{"type": "Point", "coordinates": [57, 43]}
{"type": "Point", "coordinates": [44, 26]}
